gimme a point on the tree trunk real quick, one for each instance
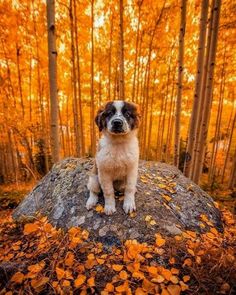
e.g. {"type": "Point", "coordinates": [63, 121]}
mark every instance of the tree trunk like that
{"type": "Point", "coordinates": [140, 2]}
{"type": "Point", "coordinates": [208, 93]}
{"type": "Point", "coordinates": [232, 179]}
{"type": "Point", "coordinates": [110, 56]}
{"type": "Point", "coordinates": [92, 113]}
{"type": "Point", "coordinates": [197, 90]}
{"type": "Point", "coordinates": [228, 148]}
{"type": "Point", "coordinates": [52, 65]}
{"type": "Point", "coordinates": [81, 127]}
{"type": "Point", "coordinates": [180, 82]}
{"type": "Point", "coordinates": [122, 70]}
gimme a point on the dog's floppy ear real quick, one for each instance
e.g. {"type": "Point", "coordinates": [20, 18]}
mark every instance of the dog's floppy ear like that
{"type": "Point", "coordinates": [99, 119]}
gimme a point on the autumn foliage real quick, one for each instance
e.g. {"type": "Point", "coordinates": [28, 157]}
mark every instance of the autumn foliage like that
{"type": "Point", "coordinates": [36, 258]}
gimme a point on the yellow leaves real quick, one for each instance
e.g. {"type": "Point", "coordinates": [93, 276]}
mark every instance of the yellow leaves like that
{"type": "Point", "coordinates": [123, 275]}
{"type": "Point", "coordinates": [167, 198]}
{"type": "Point", "coordinates": [37, 284]}
{"type": "Point", "coordinates": [186, 278]}
{"type": "Point", "coordinates": [80, 280]}
{"type": "Point", "coordinates": [161, 185]}
{"type": "Point", "coordinates": [174, 279]}
{"type": "Point", "coordinates": [152, 270]}
{"type": "Point", "coordinates": [166, 273]}
{"type": "Point", "coordinates": [18, 277]}
{"type": "Point", "coordinates": [117, 267]}
{"type": "Point", "coordinates": [63, 274]}
{"type": "Point", "coordinates": [190, 251]}
{"type": "Point", "coordinates": [30, 228]}
{"type": "Point", "coordinates": [159, 240]}
{"type": "Point", "coordinates": [150, 220]}
{"type": "Point", "coordinates": [100, 260]}
{"type": "Point", "coordinates": [69, 259]}
{"type": "Point", "coordinates": [187, 262]}
{"type": "Point", "coordinates": [91, 282]}
{"type": "Point", "coordinates": [99, 208]}
{"type": "Point", "coordinates": [109, 287]}
{"type": "Point", "coordinates": [174, 289]}
{"type": "Point", "coordinates": [158, 279]}
{"type": "Point", "coordinates": [35, 268]}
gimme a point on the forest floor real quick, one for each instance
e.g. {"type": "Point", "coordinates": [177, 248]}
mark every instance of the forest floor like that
{"type": "Point", "coordinates": [36, 258]}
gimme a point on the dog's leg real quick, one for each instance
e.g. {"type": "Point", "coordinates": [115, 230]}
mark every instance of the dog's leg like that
{"type": "Point", "coordinates": [108, 192]}
{"type": "Point", "coordinates": [130, 189]}
{"type": "Point", "coordinates": [94, 189]}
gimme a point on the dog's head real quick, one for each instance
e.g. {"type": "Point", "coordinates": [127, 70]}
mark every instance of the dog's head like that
{"type": "Point", "coordinates": [118, 117]}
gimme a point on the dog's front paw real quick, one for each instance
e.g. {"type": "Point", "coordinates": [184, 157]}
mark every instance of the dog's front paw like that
{"type": "Point", "coordinates": [110, 207]}
{"type": "Point", "coordinates": [129, 205]}
{"type": "Point", "coordinates": [92, 201]}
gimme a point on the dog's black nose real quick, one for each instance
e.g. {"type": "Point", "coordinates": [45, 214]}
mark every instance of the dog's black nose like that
{"type": "Point", "coordinates": [117, 123]}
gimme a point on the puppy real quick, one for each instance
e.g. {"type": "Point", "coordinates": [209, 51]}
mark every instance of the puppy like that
{"type": "Point", "coordinates": [116, 161]}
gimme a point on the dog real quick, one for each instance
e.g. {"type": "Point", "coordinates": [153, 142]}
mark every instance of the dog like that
{"type": "Point", "coordinates": [117, 157]}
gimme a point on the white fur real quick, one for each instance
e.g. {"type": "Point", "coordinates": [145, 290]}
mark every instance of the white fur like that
{"type": "Point", "coordinates": [116, 159]}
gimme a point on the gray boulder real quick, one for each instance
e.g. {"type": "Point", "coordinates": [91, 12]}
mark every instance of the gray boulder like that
{"type": "Point", "coordinates": [167, 202]}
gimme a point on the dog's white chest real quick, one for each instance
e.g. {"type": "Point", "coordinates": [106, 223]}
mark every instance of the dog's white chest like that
{"type": "Point", "coordinates": [117, 159]}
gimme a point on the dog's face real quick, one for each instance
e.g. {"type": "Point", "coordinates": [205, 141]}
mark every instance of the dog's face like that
{"type": "Point", "coordinates": [118, 117]}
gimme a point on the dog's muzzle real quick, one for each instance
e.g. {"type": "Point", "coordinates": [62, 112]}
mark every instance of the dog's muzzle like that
{"type": "Point", "coordinates": [117, 126]}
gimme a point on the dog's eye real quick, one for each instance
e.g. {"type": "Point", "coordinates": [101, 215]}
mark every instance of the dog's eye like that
{"type": "Point", "coordinates": [127, 114]}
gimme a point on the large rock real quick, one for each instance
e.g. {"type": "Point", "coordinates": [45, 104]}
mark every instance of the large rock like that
{"type": "Point", "coordinates": [166, 201]}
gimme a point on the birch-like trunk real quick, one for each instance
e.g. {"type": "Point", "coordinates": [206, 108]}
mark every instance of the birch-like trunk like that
{"type": "Point", "coordinates": [52, 66]}
{"type": "Point", "coordinates": [180, 82]}
{"type": "Point", "coordinates": [122, 69]}
{"type": "Point", "coordinates": [197, 90]}
{"type": "Point", "coordinates": [208, 93]}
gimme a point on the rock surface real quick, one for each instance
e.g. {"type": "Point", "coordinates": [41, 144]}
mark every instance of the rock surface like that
{"type": "Point", "coordinates": [166, 201]}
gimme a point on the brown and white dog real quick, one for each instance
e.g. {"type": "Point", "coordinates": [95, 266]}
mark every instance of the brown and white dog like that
{"type": "Point", "coordinates": [116, 161]}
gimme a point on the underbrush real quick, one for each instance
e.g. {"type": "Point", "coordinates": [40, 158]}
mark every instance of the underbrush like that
{"type": "Point", "coordinates": [36, 258]}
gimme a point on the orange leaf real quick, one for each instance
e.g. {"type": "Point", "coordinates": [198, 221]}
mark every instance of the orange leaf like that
{"type": "Point", "coordinates": [100, 261]}
{"type": "Point", "coordinates": [183, 286]}
{"type": "Point", "coordinates": [30, 228]}
{"type": "Point", "coordinates": [91, 282]}
{"type": "Point", "coordinates": [187, 262]}
{"type": "Point", "coordinates": [174, 289]}
{"type": "Point", "coordinates": [158, 279]}
{"type": "Point", "coordinates": [186, 278]}
{"type": "Point", "coordinates": [174, 279]}
{"type": "Point", "coordinates": [123, 275]}
{"type": "Point", "coordinates": [66, 283]}
{"type": "Point", "coordinates": [167, 198]}
{"type": "Point", "coordinates": [164, 292]}
{"type": "Point", "coordinates": [18, 277]}
{"type": "Point", "coordinates": [139, 291]}
{"type": "Point", "coordinates": [109, 287]}
{"type": "Point", "coordinates": [159, 240]}
{"type": "Point", "coordinates": [80, 280]}
{"type": "Point", "coordinates": [38, 283]}
{"type": "Point", "coordinates": [166, 273]}
{"type": "Point", "coordinates": [152, 270]}
{"type": "Point", "coordinates": [60, 273]}
{"type": "Point", "coordinates": [117, 267]}
{"type": "Point", "coordinates": [35, 268]}
{"type": "Point", "coordinates": [69, 259]}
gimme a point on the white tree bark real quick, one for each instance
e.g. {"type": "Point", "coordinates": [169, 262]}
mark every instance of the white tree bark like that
{"type": "Point", "coordinates": [52, 67]}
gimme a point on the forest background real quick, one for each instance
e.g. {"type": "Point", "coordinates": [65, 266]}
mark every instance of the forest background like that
{"type": "Point", "coordinates": [177, 60]}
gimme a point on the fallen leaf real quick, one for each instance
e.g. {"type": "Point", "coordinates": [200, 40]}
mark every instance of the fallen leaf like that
{"type": "Point", "coordinates": [18, 277]}
{"type": "Point", "coordinates": [38, 283]}
{"type": "Point", "coordinates": [91, 282]}
{"type": "Point", "coordinates": [159, 240]}
{"type": "Point", "coordinates": [174, 289]}
{"type": "Point", "coordinates": [186, 278]}
{"type": "Point", "coordinates": [123, 275]}
{"type": "Point", "coordinates": [80, 280]}
{"type": "Point", "coordinates": [30, 228]}
{"type": "Point", "coordinates": [117, 267]}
